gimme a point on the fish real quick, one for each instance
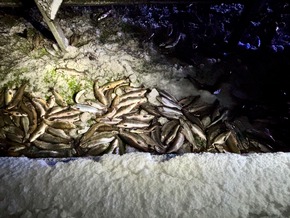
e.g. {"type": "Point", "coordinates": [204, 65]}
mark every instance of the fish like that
{"type": "Point", "coordinates": [99, 138]}
{"type": "Point", "coordinates": [97, 105]}
{"type": "Point", "coordinates": [134, 140]}
{"type": "Point", "coordinates": [78, 95]}
{"type": "Point", "coordinates": [39, 108]}
{"type": "Point", "coordinates": [66, 112]}
{"type": "Point", "coordinates": [222, 117]}
{"type": "Point", "coordinates": [172, 135]}
{"type": "Point", "coordinates": [125, 110]}
{"type": "Point", "coordinates": [8, 96]}
{"type": "Point", "coordinates": [192, 118]}
{"type": "Point", "coordinates": [113, 146]}
{"type": "Point", "coordinates": [87, 108]}
{"type": "Point", "coordinates": [58, 124]}
{"type": "Point", "coordinates": [221, 138]}
{"type": "Point", "coordinates": [186, 131]}
{"type": "Point", "coordinates": [166, 95]}
{"type": "Point", "coordinates": [170, 113]}
{"type": "Point", "coordinates": [133, 94]}
{"type": "Point", "coordinates": [24, 123]}
{"type": "Point", "coordinates": [58, 133]}
{"type": "Point", "coordinates": [232, 143]}
{"type": "Point", "coordinates": [50, 101]}
{"type": "Point", "coordinates": [150, 108]}
{"type": "Point", "coordinates": [98, 149]}
{"type": "Point", "coordinates": [99, 94]}
{"type": "Point", "coordinates": [17, 97]}
{"type": "Point", "coordinates": [104, 15]}
{"type": "Point", "coordinates": [151, 142]}
{"type": "Point", "coordinates": [140, 117]}
{"type": "Point", "coordinates": [167, 128]}
{"type": "Point", "coordinates": [50, 146]}
{"type": "Point", "coordinates": [47, 137]}
{"type": "Point", "coordinates": [129, 124]}
{"type": "Point", "coordinates": [93, 128]}
{"type": "Point", "coordinates": [132, 100]}
{"type": "Point", "coordinates": [58, 98]}
{"type": "Point", "coordinates": [185, 102]}
{"type": "Point", "coordinates": [115, 101]}
{"type": "Point", "coordinates": [168, 103]}
{"type": "Point", "coordinates": [40, 129]}
{"type": "Point", "coordinates": [196, 130]}
{"type": "Point", "coordinates": [54, 110]}
{"type": "Point", "coordinates": [110, 121]}
{"type": "Point", "coordinates": [177, 143]}
{"type": "Point", "coordinates": [29, 109]}
{"type": "Point", "coordinates": [113, 84]}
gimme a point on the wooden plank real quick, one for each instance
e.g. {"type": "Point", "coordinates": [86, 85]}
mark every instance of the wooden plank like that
{"type": "Point", "coordinates": [55, 29]}
{"type": "Point", "coordinates": [50, 7]}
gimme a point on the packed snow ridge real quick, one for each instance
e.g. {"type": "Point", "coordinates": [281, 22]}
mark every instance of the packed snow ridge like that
{"type": "Point", "coordinates": [144, 185]}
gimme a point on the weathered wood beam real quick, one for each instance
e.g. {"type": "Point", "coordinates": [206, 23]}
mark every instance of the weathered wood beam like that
{"type": "Point", "coordinates": [53, 25]}
{"type": "Point", "coordinates": [50, 7]}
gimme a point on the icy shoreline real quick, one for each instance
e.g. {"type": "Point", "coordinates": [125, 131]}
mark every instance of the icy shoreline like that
{"type": "Point", "coordinates": [144, 185]}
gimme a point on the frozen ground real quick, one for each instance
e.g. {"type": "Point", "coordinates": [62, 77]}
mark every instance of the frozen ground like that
{"type": "Point", "coordinates": [142, 185]}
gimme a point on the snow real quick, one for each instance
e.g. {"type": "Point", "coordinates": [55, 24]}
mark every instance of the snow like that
{"type": "Point", "coordinates": [144, 185]}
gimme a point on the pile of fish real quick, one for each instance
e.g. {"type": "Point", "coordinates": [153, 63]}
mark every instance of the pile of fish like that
{"type": "Point", "coordinates": [120, 118]}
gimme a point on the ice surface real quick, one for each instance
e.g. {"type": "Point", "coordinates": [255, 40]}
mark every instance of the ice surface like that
{"type": "Point", "coordinates": [143, 185]}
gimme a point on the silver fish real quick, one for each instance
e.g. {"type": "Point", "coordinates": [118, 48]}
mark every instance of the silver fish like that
{"type": "Point", "coordinates": [166, 94]}
{"type": "Point", "coordinates": [168, 103]}
{"type": "Point", "coordinates": [105, 15]}
{"type": "Point", "coordinates": [8, 96]}
{"type": "Point", "coordinates": [172, 135]}
{"type": "Point", "coordinates": [59, 124]}
{"type": "Point", "coordinates": [113, 84]}
{"type": "Point", "coordinates": [78, 95]}
{"type": "Point", "coordinates": [167, 128]}
{"type": "Point", "coordinates": [99, 138]}
{"type": "Point", "coordinates": [140, 117]}
{"type": "Point", "coordinates": [99, 94]}
{"type": "Point", "coordinates": [90, 132]}
{"type": "Point", "coordinates": [67, 112]}
{"type": "Point", "coordinates": [98, 149]}
{"type": "Point", "coordinates": [38, 131]}
{"type": "Point", "coordinates": [107, 120]}
{"type": "Point", "coordinates": [132, 100]}
{"type": "Point", "coordinates": [186, 131]}
{"type": "Point", "coordinates": [177, 143]}
{"type": "Point", "coordinates": [87, 108]}
{"type": "Point", "coordinates": [124, 110]}
{"type": "Point", "coordinates": [134, 140]}
{"type": "Point", "coordinates": [97, 105]}
{"type": "Point", "coordinates": [39, 108]}
{"type": "Point", "coordinates": [221, 138]}
{"type": "Point", "coordinates": [58, 133]}
{"type": "Point", "coordinates": [132, 124]}
{"type": "Point", "coordinates": [133, 94]}
{"type": "Point", "coordinates": [17, 97]}
{"type": "Point", "coordinates": [58, 98]}
{"type": "Point", "coordinates": [169, 112]}
{"type": "Point", "coordinates": [47, 137]}
{"type": "Point", "coordinates": [50, 146]}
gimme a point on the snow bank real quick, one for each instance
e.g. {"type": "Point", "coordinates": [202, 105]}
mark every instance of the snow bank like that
{"type": "Point", "coordinates": [143, 185]}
